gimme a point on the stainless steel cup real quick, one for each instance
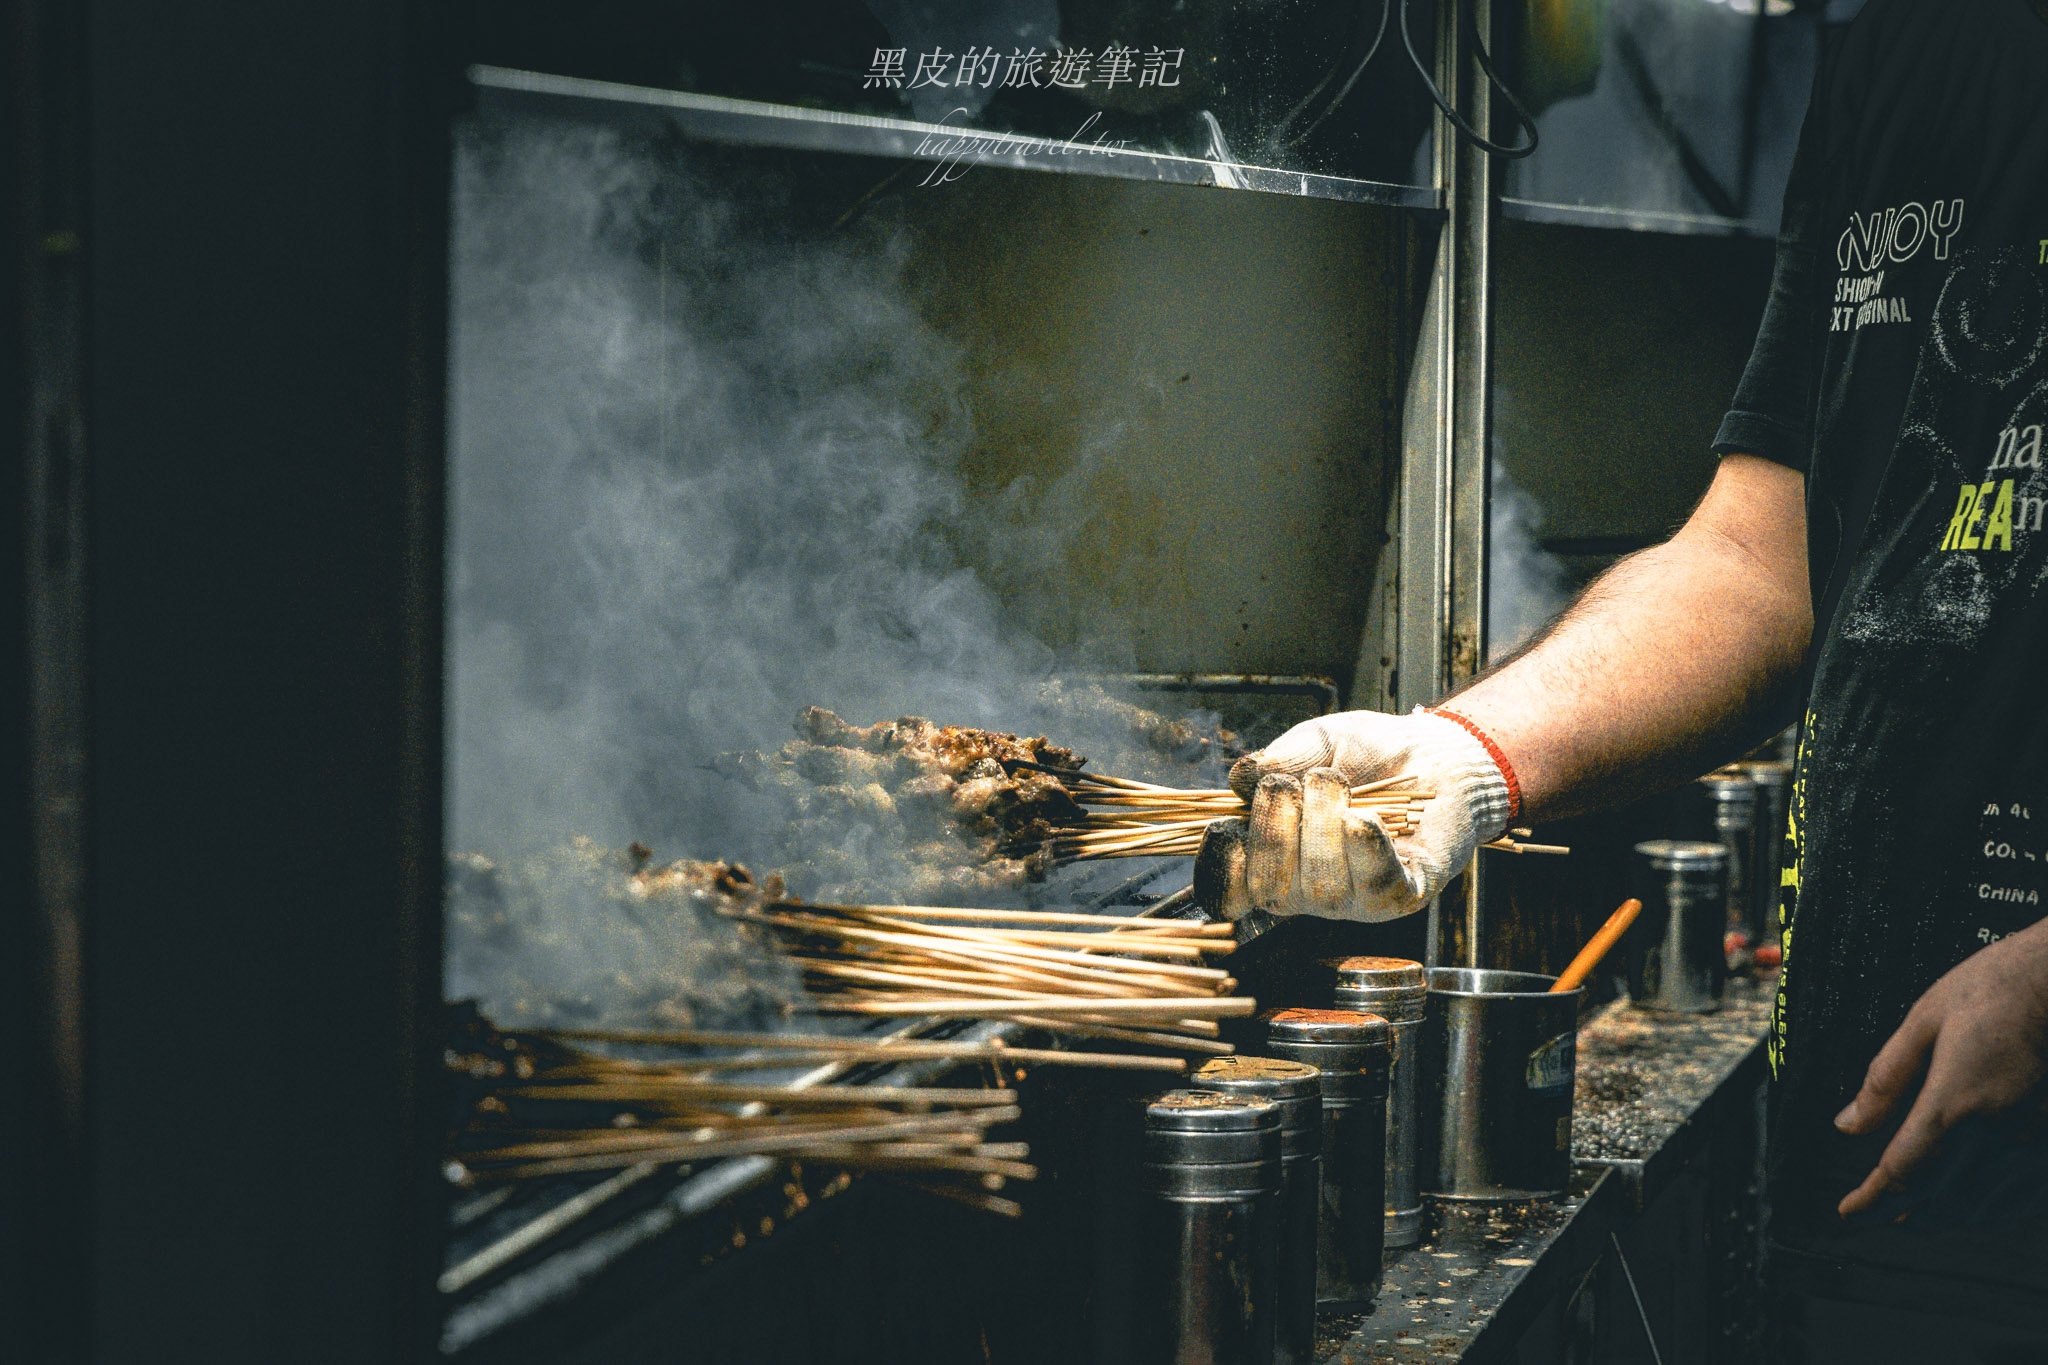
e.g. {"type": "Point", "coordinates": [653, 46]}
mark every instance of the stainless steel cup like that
{"type": "Point", "coordinates": [1675, 957]}
{"type": "Point", "coordinates": [1297, 1088]}
{"type": "Point", "coordinates": [1500, 1053]}
{"type": "Point", "coordinates": [1395, 989]}
{"type": "Point", "coordinates": [1208, 1230]}
{"type": "Point", "coordinates": [1352, 1052]}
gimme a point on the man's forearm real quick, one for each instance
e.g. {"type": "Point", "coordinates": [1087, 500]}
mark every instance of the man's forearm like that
{"type": "Point", "coordinates": [1669, 663]}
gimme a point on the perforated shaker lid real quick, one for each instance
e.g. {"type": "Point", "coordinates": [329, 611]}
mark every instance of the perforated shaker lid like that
{"type": "Point", "coordinates": [1380, 973]}
{"type": "Point", "coordinates": [1729, 787]}
{"type": "Point", "coordinates": [1672, 855]}
{"type": "Point", "coordinates": [1268, 1078]}
{"type": "Point", "coordinates": [1325, 1026]}
{"type": "Point", "coordinates": [1210, 1111]}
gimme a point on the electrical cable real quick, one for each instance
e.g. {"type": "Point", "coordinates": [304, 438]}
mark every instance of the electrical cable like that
{"type": "Point", "coordinates": [1457, 121]}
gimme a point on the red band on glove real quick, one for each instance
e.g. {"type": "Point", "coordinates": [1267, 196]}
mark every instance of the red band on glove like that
{"type": "Point", "coordinates": [1500, 760]}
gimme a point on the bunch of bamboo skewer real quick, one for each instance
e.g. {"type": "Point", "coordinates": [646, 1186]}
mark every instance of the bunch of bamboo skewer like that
{"type": "Point", "coordinates": [1131, 819]}
{"type": "Point", "coordinates": [1127, 980]}
{"type": "Point", "coordinates": [1123, 979]}
{"type": "Point", "coordinates": [588, 1112]}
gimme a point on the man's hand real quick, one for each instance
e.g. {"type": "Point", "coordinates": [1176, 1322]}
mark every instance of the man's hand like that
{"type": "Point", "coordinates": [1980, 1035]}
{"type": "Point", "coordinates": [1304, 850]}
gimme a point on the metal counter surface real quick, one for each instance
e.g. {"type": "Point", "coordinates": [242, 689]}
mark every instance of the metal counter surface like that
{"type": "Point", "coordinates": [1480, 1273]}
{"type": "Point", "coordinates": [1647, 1086]}
{"type": "Point", "coordinates": [1648, 1083]}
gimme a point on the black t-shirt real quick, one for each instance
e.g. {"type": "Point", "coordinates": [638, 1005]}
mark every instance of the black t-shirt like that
{"type": "Point", "coordinates": [1903, 365]}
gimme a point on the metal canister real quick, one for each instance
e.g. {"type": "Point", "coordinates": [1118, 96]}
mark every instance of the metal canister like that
{"type": "Point", "coordinates": [1395, 989]}
{"type": "Point", "coordinates": [1297, 1088]}
{"type": "Point", "coordinates": [1773, 793]}
{"type": "Point", "coordinates": [1208, 1230]}
{"type": "Point", "coordinates": [1506, 1049]}
{"type": "Point", "coordinates": [1352, 1051]}
{"type": "Point", "coordinates": [1731, 809]}
{"type": "Point", "coordinates": [1675, 958]}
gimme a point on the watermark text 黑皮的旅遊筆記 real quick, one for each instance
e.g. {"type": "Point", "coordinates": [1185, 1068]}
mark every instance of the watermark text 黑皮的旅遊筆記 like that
{"type": "Point", "coordinates": [986, 68]}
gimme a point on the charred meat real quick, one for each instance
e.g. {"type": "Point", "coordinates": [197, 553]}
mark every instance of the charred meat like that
{"type": "Point", "coordinates": [942, 799]}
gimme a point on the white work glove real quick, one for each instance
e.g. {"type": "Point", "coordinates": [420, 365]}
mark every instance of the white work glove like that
{"type": "Point", "coordinates": [1305, 851]}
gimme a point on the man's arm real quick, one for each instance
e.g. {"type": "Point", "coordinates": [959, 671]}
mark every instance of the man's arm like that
{"type": "Point", "coordinates": [1670, 662]}
{"type": "Point", "coordinates": [1666, 665]}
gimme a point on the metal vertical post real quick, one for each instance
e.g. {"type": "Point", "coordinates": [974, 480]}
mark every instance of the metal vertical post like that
{"type": "Point", "coordinates": [1449, 424]}
{"type": "Point", "coordinates": [1474, 206]}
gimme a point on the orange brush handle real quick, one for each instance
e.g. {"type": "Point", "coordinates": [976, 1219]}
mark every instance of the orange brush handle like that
{"type": "Point", "coordinates": [1590, 955]}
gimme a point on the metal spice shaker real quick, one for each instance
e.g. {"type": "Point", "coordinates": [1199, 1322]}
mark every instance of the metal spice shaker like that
{"type": "Point", "coordinates": [1207, 1239]}
{"type": "Point", "coordinates": [1395, 989]}
{"type": "Point", "coordinates": [1353, 1052]}
{"type": "Point", "coordinates": [1297, 1088]}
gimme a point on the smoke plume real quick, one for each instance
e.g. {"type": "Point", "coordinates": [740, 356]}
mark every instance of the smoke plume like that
{"type": "Point", "coordinates": [704, 473]}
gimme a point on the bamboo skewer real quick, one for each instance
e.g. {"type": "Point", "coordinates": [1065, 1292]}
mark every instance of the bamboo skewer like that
{"type": "Point", "coordinates": [1119, 827]}
{"type": "Point", "coordinates": [1000, 1151]}
{"type": "Point", "coordinates": [1225, 1007]}
{"type": "Point", "coordinates": [928, 1131]}
{"type": "Point", "coordinates": [1061, 974]}
{"type": "Point", "coordinates": [606, 1160]}
{"type": "Point", "coordinates": [919, 981]}
{"type": "Point", "coordinates": [1145, 983]}
{"type": "Point", "coordinates": [1108, 923]}
{"type": "Point", "coordinates": [1147, 968]}
{"type": "Point", "coordinates": [1132, 819]}
{"type": "Point", "coordinates": [1026, 961]}
{"type": "Point", "coordinates": [994, 969]}
{"type": "Point", "coordinates": [1003, 1009]}
{"type": "Point", "coordinates": [1110, 1033]}
{"type": "Point", "coordinates": [1025, 940]}
{"type": "Point", "coordinates": [885, 1158]}
{"type": "Point", "coordinates": [706, 1140]}
{"type": "Point", "coordinates": [943, 1131]}
{"type": "Point", "coordinates": [854, 1135]}
{"type": "Point", "coordinates": [717, 1092]}
{"type": "Point", "coordinates": [793, 1046]}
{"type": "Point", "coordinates": [921, 1156]}
{"type": "Point", "coordinates": [988, 1203]}
{"type": "Point", "coordinates": [1077, 944]}
{"type": "Point", "coordinates": [1510, 845]}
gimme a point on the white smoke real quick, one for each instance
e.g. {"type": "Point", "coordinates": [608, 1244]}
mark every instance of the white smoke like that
{"type": "Point", "coordinates": [705, 472]}
{"type": "Point", "coordinates": [699, 479]}
{"type": "Point", "coordinates": [1526, 586]}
